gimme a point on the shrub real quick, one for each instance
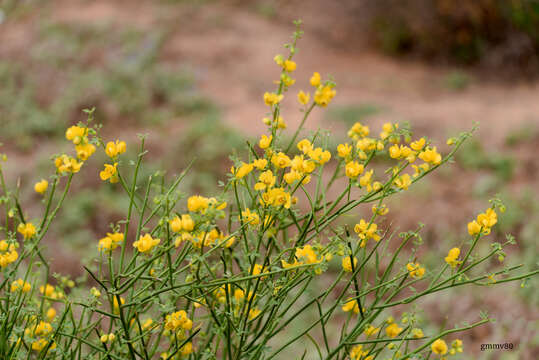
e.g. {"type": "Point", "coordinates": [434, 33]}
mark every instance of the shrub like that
{"type": "Point", "coordinates": [233, 276]}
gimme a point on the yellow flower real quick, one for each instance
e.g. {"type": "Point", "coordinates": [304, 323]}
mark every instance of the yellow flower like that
{"type": "Point", "coordinates": [272, 99]}
{"type": "Point", "coordinates": [260, 164]}
{"type": "Point", "coordinates": [456, 347]}
{"type": "Point", "coordinates": [415, 270]}
{"type": "Point", "coordinates": [113, 149]}
{"type": "Point", "coordinates": [147, 324]}
{"type": "Point", "coordinates": [110, 173]}
{"type": "Point", "coordinates": [303, 98]}
{"type": "Point", "coordinates": [266, 180]}
{"type": "Point", "coordinates": [403, 182]}
{"type": "Point", "coordinates": [265, 141]}
{"type": "Point", "coordinates": [357, 352]}
{"type": "Point", "coordinates": [417, 333]}
{"type": "Point", "coordinates": [474, 228]}
{"type": "Point", "coordinates": [353, 169]}
{"type": "Point", "coordinates": [324, 94]}
{"type": "Point", "coordinates": [21, 285]}
{"type": "Point", "coordinates": [65, 164]}
{"type": "Point", "coordinates": [315, 79]}
{"type": "Point", "coordinates": [110, 242]}
{"type": "Point", "coordinates": [347, 263]}
{"type": "Point", "coordinates": [186, 349]}
{"type": "Point", "coordinates": [243, 170]}
{"type": "Point", "coordinates": [249, 217]}
{"type": "Point", "coordinates": [371, 330]}
{"type": "Point", "coordinates": [9, 253]}
{"type": "Point", "coordinates": [146, 243]}
{"type": "Point", "coordinates": [253, 313]}
{"type": "Point", "coordinates": [41, 186]}
{"type": "Point", "coordinates": [431, 156]}
{"type": "Point", "coordinates": [178, 320]}
{"type": "Point", "coordinates": [47, 290]}
{"type": "Point", "coordinates": [488, 219]}
{"type": "Point", "coordinates": [276, 197]}
{"type": "Point", "coordinates": [197, 203]}
{"type": "Point", "coordinates": [27, 230]}
{"type": "Point", "coordinates": [367, 230]}
{"type": "Point", "coordinates": [351, 305]}
{"type": "Point", "coordinates": [358, 131]}
{"type": "Point", "coordinates": [51, 314]}
{"type": "Point", "coordinates": [76, 134]}
{"type": "Point", "coordinates": [439, 347]}
{"type": "Point", "coordinates": [452, 257]}
{"type": "Point", "coordinates": [40, 344]}
{"type": "Point", "coordinates": [365, 180]}
{"type": "Point", "coordinates": [280, 160]}
{"type": "Point", "coordinates": [305, 146]}
{"type": "Point", "coordinates": [418, 145]}
{"type": "Point", "coordinates": [183, 223]}
{"type": "Point", "coordinates": [289, 65]}
{"type": "Point", "coordinates": [96, 293]}
{"type": "Point", "coordinates": [319, 155]}
{"type": "Point", "coordinates": [387, 129]}
{"type": "Point", "coordinates": [344, 150]}
{"type": "Point", "coordinates": [84, 151]}
{"type": "Point", "coordinates": [393, 330]}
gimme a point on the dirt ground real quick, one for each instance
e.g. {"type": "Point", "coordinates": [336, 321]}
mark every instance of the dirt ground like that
{"type": "Point", "coordinates": [230, 50]}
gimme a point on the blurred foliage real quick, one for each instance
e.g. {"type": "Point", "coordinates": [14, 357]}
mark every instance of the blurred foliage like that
{"type": "Point", "coordinates": [495, 32]}
{"type": "Point", "coordinates": [74, 66]}
{"type": "Point", "coordinates": [475, 157]}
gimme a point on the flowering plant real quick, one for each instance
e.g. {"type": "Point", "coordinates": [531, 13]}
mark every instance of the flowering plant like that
{"type": "Point", "coordinates": [226, 276]}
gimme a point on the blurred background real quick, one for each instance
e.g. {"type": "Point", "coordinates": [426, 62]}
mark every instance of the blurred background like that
{"type": "Point", "coordinates": [191, 75]}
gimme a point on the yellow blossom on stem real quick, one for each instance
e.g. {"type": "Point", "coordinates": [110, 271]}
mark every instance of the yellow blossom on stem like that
{"type": "Point", "coordinates": [65, 164]}
{"type": "Point", "coordinates": [265, 141]}
{"type": "Point", "coordinates": [266, 180]}
{"type": "Point", "coordinates": [452, 257]}
{"type": "Point", "coordinates": [371, 330]}
{"type": "Point", "coordinates": [415, 270]}
{"type": "Point", "coordinates": [353, 169]}
{"type": "Point", "coordinates": [110, 242]}
{"type": "Point", "coordinates": [315, 79]}
{"type": "Point", "coordinates": [367, 230]}
{"type": "Point", "coordinates": [392, 330]}
{"type": "Point", "coordinates": [260, 164]}
{"type": "Point", "coordinates": [324, 94]}
{"type": "Point", "coordinates": [20, 285]}
{"type": "Point", "coordinates": [431, 156]}
{"type": "Point", "coordinates": [280, 160]}
{"type": "Point", "coordinates": [403, 181]}
{"type": "Point", "coordinates": [146, 243]}
{"type": "Point", "coordinates": [250, 217]}
{"type": "Point", "coordinates": [8, 253]}
{"type": "Point", "coordinates": [110, 173]}
{"type": "Point", "coordinates": [347, 264]}
{"type": "Point", "coordinates": [272, 99]}
{"type": "Point", "coordinates": [84, 151]}
{"type": "Point", "coordinates": [27, 230]}
{"type": "Point", "coordinates": [197, 203]}
{"type": "Point", "coordinates": [303, 97]}
{"type": "Point", "coordinates": [305, 146]}
{"type": "Point", "coordinates": [76, 134]}
{"type": "Point", "coordinates": [243, 170]}
{"type": "Point", "coordinates": [351, 305]}
{"type": "Point", "coordinates": [344, 150]}
{"type": "Point", "coordinates": [178, 320]}
{"type": "Point", "coordinates": [182, 223]}
{"type": "Point", "coordinates": [115, 148]}
{"type": "Point", "coordinates": [41, 186]}
{"type": "Point", "coordinates": [439, 347]}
